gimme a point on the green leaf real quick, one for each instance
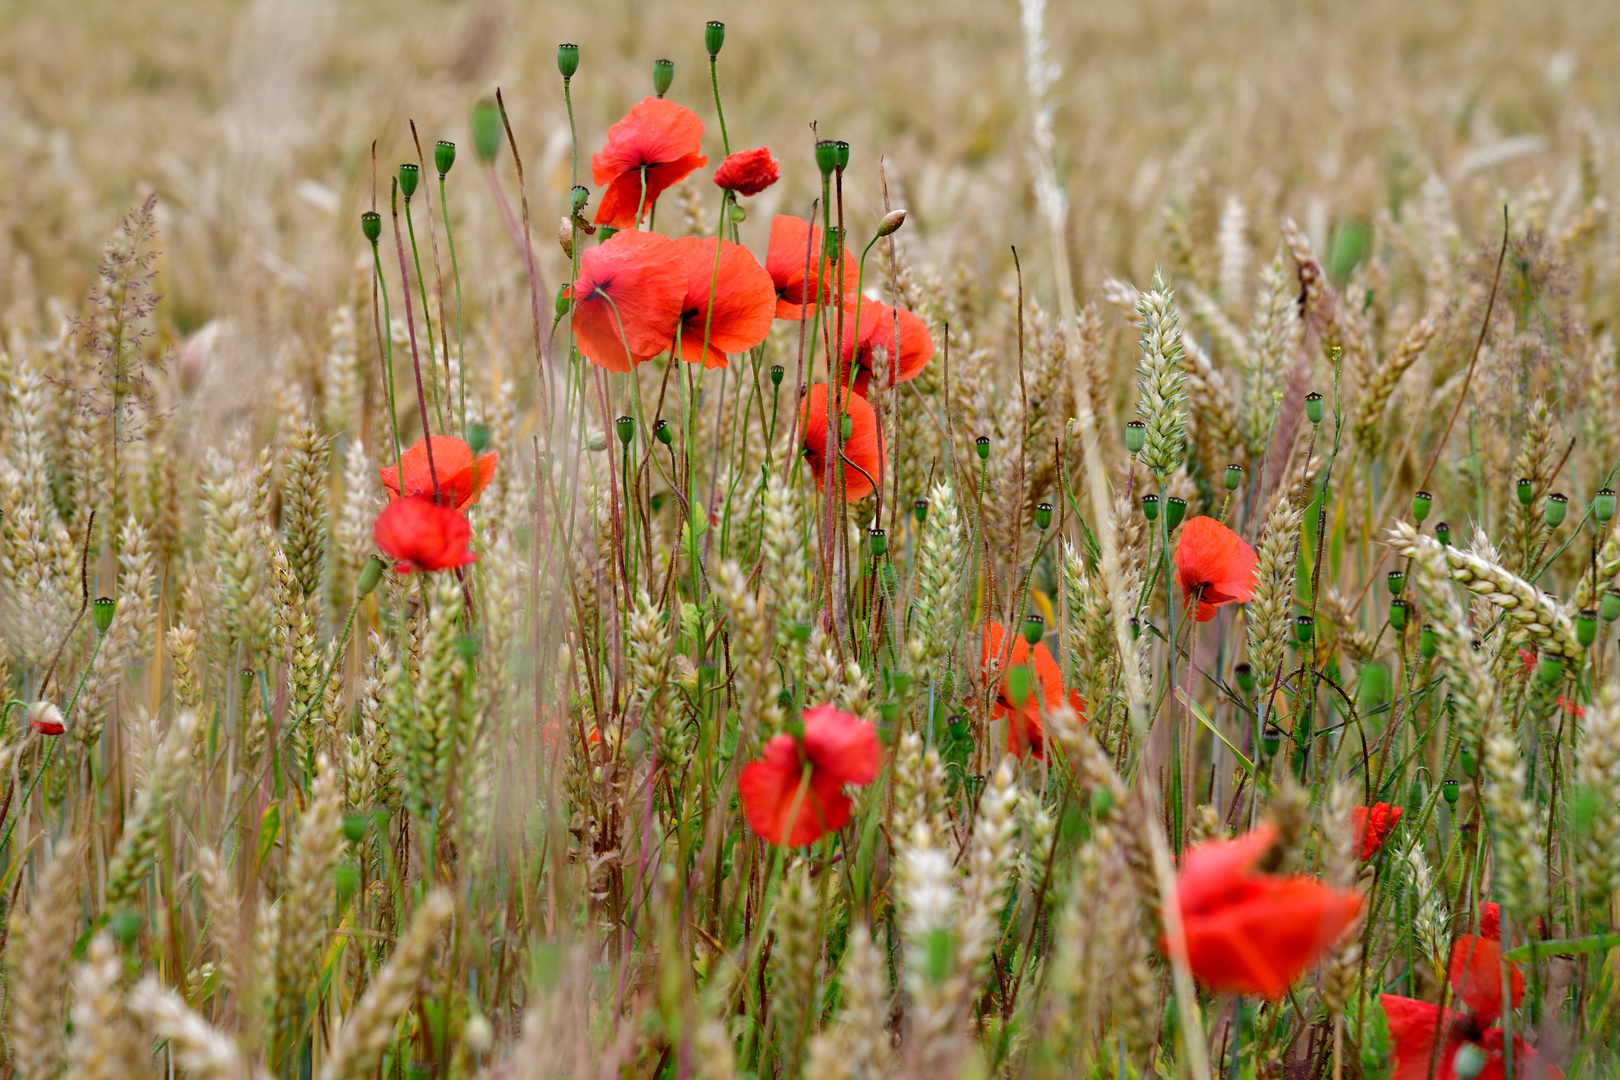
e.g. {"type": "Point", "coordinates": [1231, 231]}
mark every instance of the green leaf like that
{"type": "Point", "coordinates": [269, 831]}
{"type": "Point", "coordinates": [1536, 950]}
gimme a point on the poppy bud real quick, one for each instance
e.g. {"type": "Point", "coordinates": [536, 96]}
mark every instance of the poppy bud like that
{"type": "Point", "coordinates": [777, 371]}
{"type": "Point", "coordinates": [1135, 436]}
{"type": "Point", "coordinates": [1468, 1062]}
{"type": "Point", "coordinates": [891, 222]}
{"type": "Point", "coordinates": [1271, 739]}
{"type": "Point", "coordinates": [596, 442]}
{"type": "Point", "coordinates": [842, 149]}
{"type": "Point", "coordinates": [919, 510]}
{"type": "Point", "coordinates": [1526, 489]}
{"type": "Point", "coordinates": [878, 540]}
{"type": "Point", "coordinates": [900, 683]}
{"type": "Point", "coordinates": [565, 237]}
{"type": "Point", "coordinates": [467, 646]}
{"type": "Point", "coordinates": [606, 233]}
{"type": "Point", "coordinates": [982, 443]}
{"type": "Point", "coordinates": [125, 927]}
{"type": "Point", "coordinates": [578, 196]}
{"type": "Point", "coordinates": [1550, 668]}
{"type": "Point", "coordinates": [567, 60]}
{"type": "Point", "coordinates": [831, 243]}
{"type": "Point", "coordinates": [1397, 615]}
{"type": "Point", "coordinates": [370, 574]}
{"type": "Point", "coordinates": [1102, 801]}
{"type": "Point", "coordinates": [1313, 407]}
{"type": "Point", "coordinates": [826, 157]}
{"type": "Point", "coordinates": [663, 75]}
{"type": "Point", "coordinates": [1428, 643]}
{"type": "Point", "coordinates": [1304, 629]}
{"type": "Point", "coordinates": [444, 156]}
{"type": "Point", "coordinates": [563, 302]}
{"type": "Point", "coordinates": [1420, 506]}
{"type": "Point", "coordinates": [486, 128]}
{"type": "Point", "coordinates": [662, 433]}
{"type": "Point", "coordinates": [45, 718]}
{"type": "Point", "coordinates": [1245, 678]}
{"type": "Point", "coordinates": [1150, 506]}
{"type": "Point", "coordinates": [102, 612]}
{"type": "Point", "coordinates": [799, 632]}
{"type": "Point", "coordinates": [1450, 790]}
{"type": "Point", "coordinates": [409, 177]}
{"type": "Point", "coordinates": [1586, 627]}
{"type": "Point", "coordinates": [1397, 581]}
{"type": "Point", "coordinates": [346, 877]}
{"type": "Point", "coordinates": [1136, 628]}
{"type": "Point", "coordinates": [1603, 505]}
{"type": "Point", "coordinates": [1234, 477]}
{"type": "Point", "coordinates": [1554, 509]}
{"type": "Point", "coordinates": [1609, 606]}
{"type": "Point", "coordinates": [846, 426]}
{"type": "Point", "coordinates": [1043, 515]}
{"type": "Point", "coordinates": [1018, 684]}
{"type": "Point", "coordinates": [738, 212]}
{"type": "Point", "coordinates": [626, 427]}
{"type": "Point", "coordinates": [1175, 508]}
{"type": "Point", "coordinates": [1034, 628]}
{"type": "Point", "coordinates": [1442, 533]}
{"type": "Point", "coordinates": [371, 225]}
{"type": "Point", "coordinates": [1470, 766]}
{"type": "Point", "coordinates": [354, 827]}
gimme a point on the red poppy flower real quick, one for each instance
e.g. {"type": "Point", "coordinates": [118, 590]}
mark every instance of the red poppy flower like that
{"type": "Point", "coordinates": [1025, 732]}
{"type": "Point", "coordinates": [1490, 921]}
{"type": "Point", "coordinates": [748, 172]}
{"type": "Point", "coordinates": [863, 448]}
{"type": "Point", "coordinates": [45, 718]}
{"type": "Point", "coordinates": [461, 479]}
{"type": "Point", "coordinates": [729, 303]}
{"type": "Point", "coordinates": [1475, 971]}
{"type": "Point", "coordinates": [1416, 1026]}
{"type": "Point", "coordinates": [784, 261]}
{"type": "Point", "coordinates": [419, 534]}
{"type": "Point", "coordinates": [1373, 826]}
{"type": "Point", "coordinates": [1213, 563]}
{"type": "Point", "coordinates": [655, 145]}
{"type": "Point", "coordinates": [877, 332]}
{"type": "Point", "coordinates": [1250, 933]}
{"type": "Point", "coordinates": [794, 794]}
{"type": "Point", "coordinates": [628, 299]}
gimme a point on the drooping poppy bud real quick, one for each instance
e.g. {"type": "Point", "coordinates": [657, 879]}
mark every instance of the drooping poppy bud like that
{"type": "Point", "coordinates": [1421, 502]}
{"type": "Point", "coordinates": [1554, 509]}
{"type": "Point", "coordinates": [714, 36]}
{"type": "Point", "coordinates": [444, 156]}
{"type": "Point", "coordinates": [891, 222]}
{"type": "Point", "coordinates": [1313, 407]}
{"type": "Point", "coordinates": [45, 718]}
{"type": "Point", "coordinates": [409, 177]}
{"type": "Point", "coordinates": [567, 60]}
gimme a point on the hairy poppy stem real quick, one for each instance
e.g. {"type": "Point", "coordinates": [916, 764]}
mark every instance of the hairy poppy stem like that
{"type": "Point", "coordinates": [385, 344]}
{"type": "Point", "coordinates": [455, 270]}
{"type": "Point", "coordinates": [416, 359]}
{"type": "Point", "coordinates": [427, 317]}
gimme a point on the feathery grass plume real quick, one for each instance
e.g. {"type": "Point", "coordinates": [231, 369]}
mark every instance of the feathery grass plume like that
{"type": "Point", "coordinates": [368, 1029]}
{"type": "Point", "coordinates": [1521, 869]}
{"type": "Point", "coordinates": [1537, 613]}
{"type": "Point", "coordinates": [937, 591]}
{"type": "Point", "coordinates": [795, 992]}
{"type": "Point", "coordinates": [1341, 849]}
{"type": "Point", "coordinates": [344, 372]}
{"type": "Point", "coordinates": [1372, 402]}
{"type": "Point", "coordinates": [1270, 615]}
{"type": "Point", "coordinates": [1538, 455]}
{"type": "Point", "coordinates": [41, 943]}
{"type": "Point", "coordinates": [1274, 334]}
{"type": "Point", "coordinates": [305, 908]}
{"type": "Point", "coordinates": [1232, 239]}
{"type": "Point", "coordinates": [1159, 377]}
{"type": "Point", "coordinates": [130, 633]}
{"type": "Point", "coordinates": [1431, 927]}
{"type": "Point", "coordinates": [138, 845]}
{"type": "Point", "coordinates": [751, 640]}
{"type": "Point", "coordinates": [303, 505]}
{"type": "Point", "coordinates": [104, 1044]}
{"type": "Point", "coordinates": [1595, 794]}
{"type": "Point", "coordinates": [351, 530]}
{"type": "Point", "coordinates": [198, 1048]}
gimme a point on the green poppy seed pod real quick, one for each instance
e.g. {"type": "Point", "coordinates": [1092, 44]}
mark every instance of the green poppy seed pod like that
{"type": "Point", "coordinates": [409, 177]}
{"type": "Point", "coordinates": [1554, 509]}
{"type": "Point", "coordinates": [567, 60]}
{"type": "Point", "coordinates": [370, 575]}
{"type": "Point", "coordinates": [606, 233]}
{"type": "Point", "coordinates": [477, 438]}
{"type": "Point", "coordinates": [846, 426]}
{"type": "Point", "coordinates": [1442, 533]}
{"type": "Point", "coordinates": [354, 827]}
{"type": "Point", "coordinates": [1175, 508]}
{"type": "Point", "coordinates": [371, 225]}
{"type": "Point", "coordinates": [663, 75]}
{"type": "Point", "coordinates": [662, 433]}
{"type": "Point", "coordinates": [777, 371]}
{"type": "Point", "coordinates": [900, 682]}
{"type": "Point", "coordinates": [1526, 489]}
{"type": "Point", "coordinates": [878, 540]}
{"type": "Point", "coordinates": [1396, 580]}
{"type": "Point", "coordinates": [738, 213]}
{"type": "Point", "coordinates": [919, 510]}
{"type": "Point", "coordinates": [1470, 766]}
{"type": "Point", "coordinates": [486, 130]}
{"type": "Point", "coordinates": [1019, 683]}
{"type": "Point", "coordinates": [626, 428]}
{"type": "Point", "coordinates": [636, 744]}
{"type": "Point", "coordinates": [346, 878]}
{"type": "Point", "coordinates": [1304, 629]}
{"type": "Point", "coordinates": [578, 196]}
{"type": "Point", "coordinates": [1043, 515]}
{"type": "Point", "coordinates": [596, 442]}
{"type": "Point", "coordinates": [1550, 668]}
{"type": "Point", "coordinates": [1150, 506]}
{"type": "Point", "coordinates": [1313, 407]}
{"type": "Point", "coordinates": [714, 36]}
{"type": "Point", "coordinates": [467, 646]}
{"type": "Point", "coordinates": [1034, 628]}
{"type": "Point", "coordinates": [1609, 606]}
{"type": "Point", "coordinates": [891, 222]}
{"type": "Point", "coordinates": [102, 611]}
{"type": "Point", "coordinates": [1135, 436]}
{"type": "Point", "coordinates": [1234, 477]}
{"type": "Point", "coordinates": [1428, 643]}
{"type": "Point", "coordinates": [889, 712]}
{"type": "Point", "coordinates": [563, 302]}
{"type": "Point", "coordinates": [444, 157]}
{"type": "Point", "coordinates": [1102, 802]}
{"type": "Point", "coordinates": [1397, 615]}
{"type": "Point", "coordinates": [1468, 1062]}
{"type": "Point", "coordinates": [125, 927]}
{"type": "Point", "coordinates": [799, 632]}
{"type": "Point", "coordinates": [1421, 502]}
{"type": "Point", "coordinates": [1603, 505]}
{"type": "Point", "coordinates": [841, 149]}
{"type": "Point", "coordinates": [982, 445]}
{"type": "Point", "coordinates": [1271, 739]}
{"type": "Point", "coordinates": [1136, 628]}
{"type": "Point", "coordinates": [1450, 790]}
{"type": "Point", "coordinates": [1245, 678]}
{"type": "Point", "coordinates": [826, 157]}
{"type": "Point", "coordinates": [1586, 627]}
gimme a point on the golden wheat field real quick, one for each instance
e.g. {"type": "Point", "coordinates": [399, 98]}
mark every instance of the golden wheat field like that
{"type": "Point", "coordinates": [817, 541]}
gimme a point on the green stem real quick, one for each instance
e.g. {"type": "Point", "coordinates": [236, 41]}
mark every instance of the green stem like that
{"type": "Point", "coordinates": [455, 269]}
{"type": "Point", "coordinates": [388, 365]}
{"type": "Point", "coordinates": [427, 319]}
{"type": "Point", "coordinates": [714, 81]}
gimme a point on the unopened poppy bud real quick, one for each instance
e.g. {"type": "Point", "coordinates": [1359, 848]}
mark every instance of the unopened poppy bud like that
{"type": "Point", "coordinates": [663, 75]}
{"type": "Point", "coordinates": [1304, 629]}
{"type": "Point", "coordinates": [346, 877]}
{"type": "Point", "coordinates": [125, 927]}
{"type": "Point", "coordinates": [1468, 1062]}
{"type": "Point", "coordinates": [1470, 766]}
{"type": "Point", "coordinates": [45, 718]}
{"type": "Point", "coordinates": [596, 442]}
{"type": "Point", "coordinates": [1586, 627]}
{"type": "Point", "coordinates": [1397, 615]}
{"type": "Point", "coordinates": [846, 426]}
{"type": "Point", "coordinates": [1550, 668]}
{"type": "Point", "coordinates": [714, 36]}
{"type": "Point", "coordinates": [1609, 606]}
{"type": "Point", "coordinates": [370, 574]}
{"type": "Point", "coordinates": [891, 222]}
{"type": "Point", "coordinates": [578, 196]}
{"type": "Point", "coordinates": [1442, 533]}
{"type": "Point", "coordinates": [1603, 505]}
{"type": "Point", "coordinates": [565, 237]}
{"type": "Point", "coordinates": [1554, 509]}
{"type": "Point", "coordinates": [1234, 477]}
{"type": "Point", "coordinates": [1421, 502]}
{"type": "Point", "coordinates": [1102, 801]}
{"type": "Point", "coordinates": [1271, 739]}
{"type": "Point", "coordinates": [831, 243]}
{"type": "Point", "coordinates": [1526, 489]}
{"type": "Point", "coordinates": [1135, 628]}
{"type": "Point", "coordinates": [1397, 581]}
{"type": "Point", "coordinates": [371, 225]}
{"type": "Point", "coordinates": [1428, 643]}
{"type": "Point", "coordinates": [826, 156]}
{"type": "Point", "coordinates": [919, 510]}
{"type": "Point", "coordinates": [841, 149]}
{"type": "Point", "coordinates": [1313, 407]}
{"type": "Point", "coordinates": [563, 302]}
{"type": "Point", "coordinates": [1450, 790]}
{"type": "Point", "coordinates": [1019, 683]}
{"type": "Point", "coordinates": [738, 212]}
{"type": "Point", "coordinates": [1150, 506]}
{"type": "Point", "coordinates": [878, 541]}
{"type": "Point", "coordinates": [1135, 436]}
{"type": "Point", "coordinates": [354, 827]}
{"type": "Point", "coordinates": [1175, 508]}
{"type": "Point", "coordinates": [606, 233]}
{"type": "Point", "coordinates": [486, 130]}
{"type": "Point", "coordinates": [444, 156]}
{"type": "Point", "coordinates": [777, 371]}
{"type": "Point", "coordinates": [982, 445]}
{"type": "Point", "coordinates": [1034, 628]}
{"type": "Point", "coordinates": [662, 433]}
{"type": "Point", "coordinates": [409, 177]}
{"type": "Point", "coordinates": [567, 60]}
{"type": "Point", "coordinates": [1245, 678]}
{"type": "Point", "coordinates": [626, 427]}
{"type": "Point", "coordinates": [102, 612]}
{"type": "Point", "coordinates": [1043, 515]}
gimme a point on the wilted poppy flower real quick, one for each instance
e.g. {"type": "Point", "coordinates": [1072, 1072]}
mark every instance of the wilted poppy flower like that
{"type": "Point", "coordinates": [655, 145]}
{"type": "Point", "coordinates": [1025, 732]}
{"type": "Point", "coordinates": [794, 794]}
{"type": "Point", "coordinates": [627, 299]}
{"type": "Point", "coordinates": [729, 305]}
{"type": "Point", "coordinates": [863, 448]}
{"type": "Point", "coordinates": [1416, 1026]}
{"type": "Point", "coordinates": [419, 534]}
{"type": "Point", "coordinates": [877, 324]}
{"type": "Point", "coordinates": [1252, 933]}
{"type": "Point", "coordinates": [1213, 564]}
{"type": "Point", "coordinates": [784, 261]}
{"type": "Point", "coordinates": [461, 478]}
{"type": "Point", "coordinates": [748, 172]}
{"type": "Point", "coordinates": [1373, 825]}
